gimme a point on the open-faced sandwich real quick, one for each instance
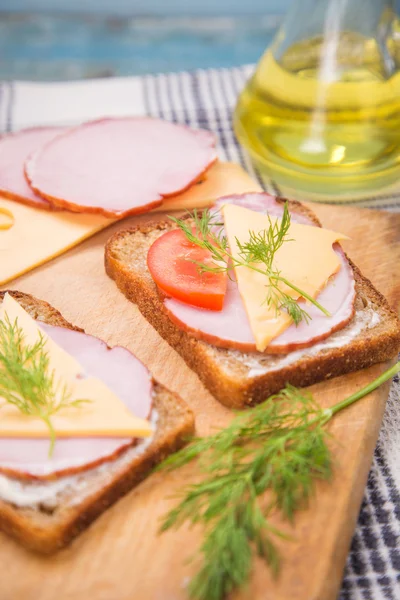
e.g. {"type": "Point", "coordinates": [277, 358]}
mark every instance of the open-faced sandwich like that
{"type": "Point", "coordinates": [80, 424]}
{"type": "Point", "coordinates": [254, 294]}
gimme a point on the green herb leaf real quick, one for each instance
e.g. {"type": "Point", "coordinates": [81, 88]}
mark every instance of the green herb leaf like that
{"type": "Point", "coordinates": [279, 446]}
{"type": "Point", "coordinates": [266, 460]}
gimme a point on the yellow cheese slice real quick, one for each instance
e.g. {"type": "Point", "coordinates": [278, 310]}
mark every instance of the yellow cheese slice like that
{"type": "Point", "coordinates": [223, 179]}
{"type": "Point", "coordinates": [37, 236]}
{"type": "Point", "coordinates": [103, 415]}
{"type": "Point", "coordinates": [307, 261]}
{"type": "Point", "coordinates": [6, 219]}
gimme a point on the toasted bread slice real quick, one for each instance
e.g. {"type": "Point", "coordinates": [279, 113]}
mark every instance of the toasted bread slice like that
{"type": "Point", "coordinates": [48, 527]}
{"type": "Point", "coordinates": [238, 379]}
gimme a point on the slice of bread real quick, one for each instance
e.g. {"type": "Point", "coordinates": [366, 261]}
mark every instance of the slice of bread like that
{"type": "Point", "coordinates": [47, 527]}
{"type": "Point", "coordinates": [238, 379]}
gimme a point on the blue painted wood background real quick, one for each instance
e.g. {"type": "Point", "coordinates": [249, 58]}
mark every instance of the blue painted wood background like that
{"type": "Point", "coordinates": [41, 45]}
{"type": "Point", "coordinates": [73, 39]}
{"type": "Point", "coordinates": [152, 7]}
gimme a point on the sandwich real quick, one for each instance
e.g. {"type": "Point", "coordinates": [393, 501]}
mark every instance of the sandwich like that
{"type": "Point", "coordinates": [254, 294]}
{"type": "Point", "coordinates": [81, 424]}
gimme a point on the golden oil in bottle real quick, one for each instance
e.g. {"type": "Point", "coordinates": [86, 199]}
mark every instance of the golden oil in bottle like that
{"type": "Point", "coordinates": [324, 114]}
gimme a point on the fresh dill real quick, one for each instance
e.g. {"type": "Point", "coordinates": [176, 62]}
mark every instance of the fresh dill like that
{"type": "Point", "coordinates": [258, 253]}
{"type": "Point", "coordinates": [26, 380]}
{"type": "Point", "coordinates": [265, 462]}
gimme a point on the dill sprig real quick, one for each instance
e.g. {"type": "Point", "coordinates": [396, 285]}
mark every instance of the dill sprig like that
{"type": "Point", "coordinates": [267, 461]}
{"type": "Point", "coordinates": [258, 254]}
{"type": "Point", "coordinates": [26, 381]}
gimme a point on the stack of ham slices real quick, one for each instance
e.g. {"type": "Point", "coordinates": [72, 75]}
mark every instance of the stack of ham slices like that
{"type": "Point", "coordinates": [113, 167]}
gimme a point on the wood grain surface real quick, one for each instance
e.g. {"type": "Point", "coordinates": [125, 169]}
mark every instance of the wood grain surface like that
{"type": "Point", "coordinates": [121, 556]}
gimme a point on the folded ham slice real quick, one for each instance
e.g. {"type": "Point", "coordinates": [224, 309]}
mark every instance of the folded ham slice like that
{"type": "Point", "coordinates": [15, 148]}
{"type": "Point", "coordinates": [230, 327]}
{"type": "Point", "coordinates": [122, 372]}
{"type": "Point", "coordinates": [118, 167]}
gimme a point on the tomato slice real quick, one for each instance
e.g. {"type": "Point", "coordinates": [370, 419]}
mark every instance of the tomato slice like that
{"type": "Point", "coordinates": [169, 262]}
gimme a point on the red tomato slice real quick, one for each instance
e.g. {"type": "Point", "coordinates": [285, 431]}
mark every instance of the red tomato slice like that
{"type": "Point", "coordinates": [169, 264]}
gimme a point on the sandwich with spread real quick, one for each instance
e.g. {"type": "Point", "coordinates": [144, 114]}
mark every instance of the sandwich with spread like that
{"type": "Point", "coordinates": [254, 294]}
{"type": "Point", "coordinates": [81, 424]}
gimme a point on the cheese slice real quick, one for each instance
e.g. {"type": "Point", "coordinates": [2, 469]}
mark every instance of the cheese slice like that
{"type": "Point", "coordinates": [307, 260]}
{"type": "Point", "coordinates": [37, 236]}
{"type": "Point", "coordinates": [222, 179]}
{"type": "Point", "coordinates": [6, 219]}
{"type": "Point", "coordinates": [104, 415]}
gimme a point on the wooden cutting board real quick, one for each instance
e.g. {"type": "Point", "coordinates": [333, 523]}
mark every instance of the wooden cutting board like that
{"type": "Point", "coordinates": [121, 556]}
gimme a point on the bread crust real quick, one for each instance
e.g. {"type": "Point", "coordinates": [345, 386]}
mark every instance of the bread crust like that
{"type": "Point", "coordinates": [45, 531]}
{"type": "Point", "coordinates": [231, 389]}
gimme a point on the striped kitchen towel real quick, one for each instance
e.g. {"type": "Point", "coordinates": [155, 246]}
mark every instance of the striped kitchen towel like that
{"type": "Point", "coordinates": [206, 99]}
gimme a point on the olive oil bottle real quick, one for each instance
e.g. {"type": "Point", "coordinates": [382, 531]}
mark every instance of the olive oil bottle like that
{"type": "Point", "coordinates": [322, 111]}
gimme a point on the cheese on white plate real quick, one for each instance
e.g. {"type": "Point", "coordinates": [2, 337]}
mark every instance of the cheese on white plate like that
{"type": "Point", "coordinates": [307, 260]}
{"type": "Point", "coordinates": [103, 415]}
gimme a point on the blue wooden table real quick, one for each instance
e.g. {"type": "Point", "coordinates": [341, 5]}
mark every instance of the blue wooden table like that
{"type": "Point", "coordinates": [59, 40]}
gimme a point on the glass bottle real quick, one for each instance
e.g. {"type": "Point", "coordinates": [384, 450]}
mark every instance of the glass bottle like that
{"type": "Point", "coordinates": [322, 110]}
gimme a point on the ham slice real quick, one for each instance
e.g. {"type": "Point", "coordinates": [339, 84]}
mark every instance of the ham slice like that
{"type": "Point", "coordinates": [122, 372]}
{"type": "Point", "coordinates": [15, 148]}
{"type": "Point", "coordinates": [260, 202]}
{"type": "Point", "coordinates": [119, 167]}
{"type": "Point", "coordinates": [230, 327]}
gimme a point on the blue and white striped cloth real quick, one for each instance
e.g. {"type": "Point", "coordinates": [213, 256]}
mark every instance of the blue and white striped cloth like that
{"type": "Point", "coordinates": [205, 99]}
